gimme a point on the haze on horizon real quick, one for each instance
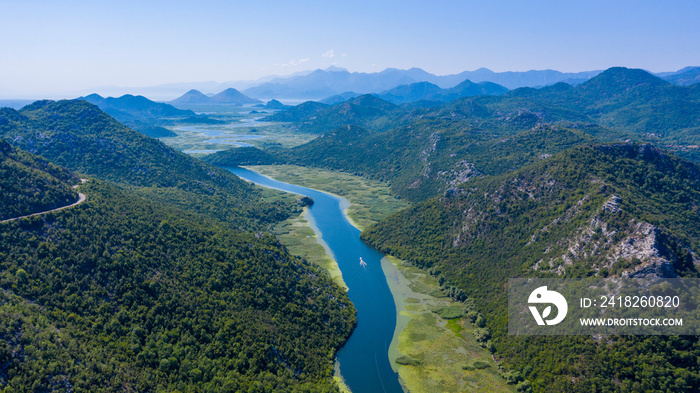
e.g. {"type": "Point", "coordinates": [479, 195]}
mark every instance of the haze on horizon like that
{"type": "Point", "coordinates": [52, 49]}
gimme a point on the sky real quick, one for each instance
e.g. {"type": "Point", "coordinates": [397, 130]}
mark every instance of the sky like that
{"type": "Point", "coordinates": [53, 48]}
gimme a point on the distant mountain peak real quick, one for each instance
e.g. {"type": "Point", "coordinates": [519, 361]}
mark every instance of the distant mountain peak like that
{"type": "Point", "coordinates": [335, 69]}
{"type": "Point", "coordinates": [372, 101]}
{"type": "Point", "coordinates": [626, 76]}
{"type": "Point", "coordinates": [617, 81]}
{"type": "Point", "coordinates": [191, 97]}
{"type": "Point", "coordinates": [233, 96]}
{"type": "Point", "coordinates": [228, 96]}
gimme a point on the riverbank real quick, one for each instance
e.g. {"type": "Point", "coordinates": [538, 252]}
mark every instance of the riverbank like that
{"type": "Point", "coordinates": [363, 360]}
{"type": "Point", "coordinates": [443, 354]}
{"type": "Point", "coordinates": [370, 201]}
{"type": "Point", "coordinates": [439, 354]}
{"type": "Point", "coordinates": [301, 237]}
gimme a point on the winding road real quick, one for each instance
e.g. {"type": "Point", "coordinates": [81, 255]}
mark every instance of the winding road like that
{"type": "Point", "coordinates": [81, 199]}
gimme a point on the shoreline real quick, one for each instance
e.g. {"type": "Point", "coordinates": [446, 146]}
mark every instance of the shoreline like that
{"type": "Point", "coordinates": [395, 280]}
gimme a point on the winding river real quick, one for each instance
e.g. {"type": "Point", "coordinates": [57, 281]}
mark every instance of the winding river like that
{"type": "Point", "coordinates": [364, 361]}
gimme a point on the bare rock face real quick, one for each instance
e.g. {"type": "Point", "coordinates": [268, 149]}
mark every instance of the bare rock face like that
{"type": "Point", "coordinates": [644, 244]}
{"type": "Point", "coordinates": [639, 244]}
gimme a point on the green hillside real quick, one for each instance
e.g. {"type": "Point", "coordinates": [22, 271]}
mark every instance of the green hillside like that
{"type": "Point", "coordinates": [84, 139]}
{"type": "Point", "coordinates": [421, 160]}
{"type": "Point", "coordinates": [570, 215]}
{"type": "Point", "coordinates": [30, 184]}
{"type": "Point", "coordinates": [142, 114]}
{"type": "Point", "coordinates": [124, 294]}
{"type": "Point", "coordinates": [366, 111]}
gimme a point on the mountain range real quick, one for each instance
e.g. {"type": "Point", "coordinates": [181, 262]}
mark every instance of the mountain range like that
{"type": "Point", "coordinates": [557, 182]}
{"type": "Point", "coordinates": [330, 82]}
{"type": "Point", "coordinates": [429, 92]}
{"type": "Point", "coordinates": [320, 84]}
{"type": "Point", "coordinates": [589, 211]}
{"type": "Point", "coordinates": [422, 151]}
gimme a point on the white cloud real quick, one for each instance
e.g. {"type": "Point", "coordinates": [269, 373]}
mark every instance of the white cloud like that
{"type": "Point", "coordinates": [294, 63]}
{"type": "Point", "coordinates": [329, 53]}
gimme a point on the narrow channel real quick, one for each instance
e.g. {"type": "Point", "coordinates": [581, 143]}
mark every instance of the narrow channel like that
{"type": "Point", "coordinates": [364, 361]}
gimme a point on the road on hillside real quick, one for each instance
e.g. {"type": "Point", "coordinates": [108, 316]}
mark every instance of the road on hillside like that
{"type": "Point", "coordinates": [81, 199]}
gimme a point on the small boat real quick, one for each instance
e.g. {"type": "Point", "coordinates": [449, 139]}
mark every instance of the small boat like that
{"type": "Point", "coordinates": [363, 263]}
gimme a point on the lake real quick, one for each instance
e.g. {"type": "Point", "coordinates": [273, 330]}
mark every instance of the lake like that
{"type": "Point", "coordinates": [364, 361]}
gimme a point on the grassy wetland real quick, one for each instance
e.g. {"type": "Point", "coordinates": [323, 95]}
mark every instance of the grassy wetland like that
{"type": "Point", "coordinates": [433, 350]}
{"type": "Point", "coordinates": [240, 126]}
{"type": "Point", "coordinates": [370, 201]}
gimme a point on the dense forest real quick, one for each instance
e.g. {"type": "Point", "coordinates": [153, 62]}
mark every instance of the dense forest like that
{"type": "Point", "coordinates": [84, 139]}
{"type": "Point", "coordinates": [570, 215]}
{"type": "Point", "coordinates": [163, 280]}
{"type": "Point", "coordinates": [30, 184]}
{"type": "Point", "coordinates": [119, 293]}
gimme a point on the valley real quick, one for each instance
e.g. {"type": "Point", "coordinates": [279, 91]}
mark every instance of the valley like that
{"type": "Point", "coordinates": [440, 201]}
{"type": "Point", "coordinates": [431, 156]}
{"type": "Point", "coordinates": [445, 349]}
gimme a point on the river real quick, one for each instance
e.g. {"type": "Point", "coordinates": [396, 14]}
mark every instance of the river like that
{"type": "Point", "coordinates": [364, 361]}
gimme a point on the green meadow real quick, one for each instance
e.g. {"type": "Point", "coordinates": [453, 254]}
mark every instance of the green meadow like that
{"type": "Point", "coordinates": [431, 352]}
{"type": "Point", "coordinates": [370, 201]}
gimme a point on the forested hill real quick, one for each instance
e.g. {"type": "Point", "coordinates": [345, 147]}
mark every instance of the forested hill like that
{"type": "Point", "coordinates": [84, 139]}
{"type": "Point", "coordinates": [124, 294]}
{"type": "Point", "coordinates": [142, 114]}
{"type": "Point", "coordinates": [421, 160]}
{"type": "Point", "coordinates": [588, 211]}
{"type": "Point", "coordinates": [30, 184]}
{"type": "Point", "coordinates": [425, 151]}
{"type": "Point", "coordinates": [365, 110]}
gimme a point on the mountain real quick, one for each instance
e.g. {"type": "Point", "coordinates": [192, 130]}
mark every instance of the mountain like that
{"type": "Point", "coordinates": [297, 112]}
{"type": "Point", "coordinates": [274, 104]}
{"type": "Point", "coordinates": [30, 184]}
{"type": "Point", "coordinates": [430, 92]}
{"type": "Point", "coordinates": [533, 78]}
{"type": "Point", "coordinates": [79, 136]}
{"type": "Point", "coordinates": [232, 96]}
{"type": "Point", "coordinates": [683, 77]}
{"type": "Point", "coordinates": [600, 211]}
{"type": "Point", "coordinates": [366, 111]}
{"type": "Point", "coordinates": [140, 113]}
{"type": "Point", "coordinates": [421, 151]}
{"type": "Point", "coordinates": [228, 96]}
{"type": "Point", "coordinates": [469, 89]}
{"type": "Point", "coordinates": [628, 103]}
{"type": "Point", "coordinates": [413, 92]}
{"type": "Point", "coordinates": [509, 79]}
{"type": "Point", "coordinates": [419, 161]}
{"type": "Point", "coordinates": [129, 106]}
{"type": "Point", "coordinates": [338, 98]}
{"type": "Point", "coordinates": [191, 97]}
{"type": "Point", "coordinates": [326, 83]}
{"type": "Point", "coordinates": [157, 283]}
{"type": "Point", "coordinates": [121, 293]}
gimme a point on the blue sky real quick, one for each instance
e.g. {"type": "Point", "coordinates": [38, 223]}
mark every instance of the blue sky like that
{"type": "Point", "coordinates": [50, 47]}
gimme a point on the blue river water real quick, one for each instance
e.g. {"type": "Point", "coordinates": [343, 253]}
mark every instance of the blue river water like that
{"type": "Point", "coordinates": [364, 361]}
